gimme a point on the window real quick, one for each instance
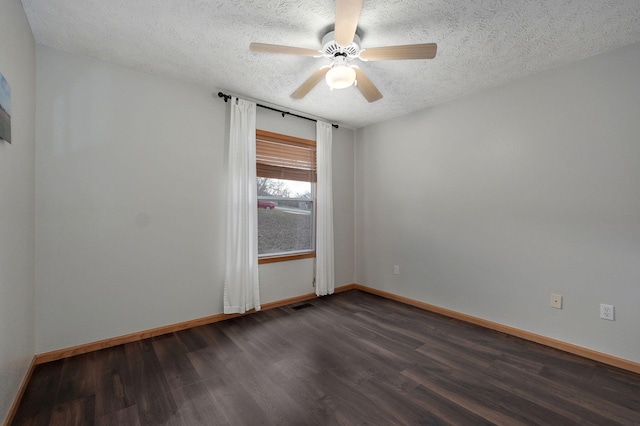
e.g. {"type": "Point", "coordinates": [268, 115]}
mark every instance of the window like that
{"type": "Point", "coordinates": [286, 181]}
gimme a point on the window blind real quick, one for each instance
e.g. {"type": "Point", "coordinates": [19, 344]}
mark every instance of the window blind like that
{"type": "Point", "coordinates": [285, 157]}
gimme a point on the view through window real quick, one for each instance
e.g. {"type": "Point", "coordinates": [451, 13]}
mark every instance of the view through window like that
{"type": "Point", "coordinates": [286, 176]}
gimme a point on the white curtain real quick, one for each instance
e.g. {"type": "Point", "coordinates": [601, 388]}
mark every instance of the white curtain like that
{"type": "Point", "coordinates": [241, 287]}
{"type": "Point", "coordinates": [324, 227]}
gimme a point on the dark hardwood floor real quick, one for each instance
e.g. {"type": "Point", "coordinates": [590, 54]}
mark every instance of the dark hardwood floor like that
{"type": "Point", "coordinates": [351, 358]}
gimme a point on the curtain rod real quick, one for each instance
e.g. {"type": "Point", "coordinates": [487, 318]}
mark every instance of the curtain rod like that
{"type": "Point", "coordinates": [227, 97]}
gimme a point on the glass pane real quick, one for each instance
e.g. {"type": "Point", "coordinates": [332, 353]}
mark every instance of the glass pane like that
{"type": "Point", "coordinates": [285, 216]}
{"type": "Point", "coordinates": [282, 188]}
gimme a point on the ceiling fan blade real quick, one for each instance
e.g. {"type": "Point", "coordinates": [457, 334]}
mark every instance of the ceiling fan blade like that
{"type": "Point", "coordinates": [347, 16]}
{"type": "Point", "coordinates": [310, 83]}
{"type": "Point", "coordinates": [289, 50]}
{"type": "Point", "coordinates": [366, 87]}
{"type": "Point", "coordinates": [409, 51]}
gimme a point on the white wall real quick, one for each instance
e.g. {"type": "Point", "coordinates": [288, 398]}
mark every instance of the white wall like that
{"type": "Point", "coordinates": [17, 64]}
{"type": "Point", "coordinates": [490, 203]}
{"type": "Point", "coordinates": [130, 196]}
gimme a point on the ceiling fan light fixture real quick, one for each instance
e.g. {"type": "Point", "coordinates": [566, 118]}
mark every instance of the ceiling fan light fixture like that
{"type": "Point", "coordinates": [340, 76]}
{"type": "Point", "coordinates": [342, 46]}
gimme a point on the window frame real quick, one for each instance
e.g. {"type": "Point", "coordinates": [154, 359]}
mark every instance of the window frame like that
{"type": "Point", "coordinates": [295, 141]}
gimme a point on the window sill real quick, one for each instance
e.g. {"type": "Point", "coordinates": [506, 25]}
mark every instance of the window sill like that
{"type": "Point", "coordinates": [285, 258]}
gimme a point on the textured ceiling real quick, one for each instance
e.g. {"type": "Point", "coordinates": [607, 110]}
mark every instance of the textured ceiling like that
{"type": "Point", "coordinates": [481, 43]}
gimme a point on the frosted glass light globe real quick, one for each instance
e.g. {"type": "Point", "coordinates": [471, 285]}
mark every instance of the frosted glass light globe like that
{"type": "Point", "coordinates": [340, 76]}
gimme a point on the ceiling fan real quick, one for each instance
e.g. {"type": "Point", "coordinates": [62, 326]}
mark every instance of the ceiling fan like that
{"type": "Point", "coordinates": [342, 46]}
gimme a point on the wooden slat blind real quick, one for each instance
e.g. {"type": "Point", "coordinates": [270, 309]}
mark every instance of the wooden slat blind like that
{"type": "Point", "coordinates": [285, 157]}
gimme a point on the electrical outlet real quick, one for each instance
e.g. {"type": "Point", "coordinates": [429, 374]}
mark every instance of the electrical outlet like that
{"type": "Point", "coordinates": [396, 270]}
{"type": "Point", "coordinates": [607, 312]}
{"type": "Point", "coordinates": [556, 301]}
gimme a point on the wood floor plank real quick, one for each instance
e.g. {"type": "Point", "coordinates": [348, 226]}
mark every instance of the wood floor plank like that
{"type": "Point", "coordinates": [276, 403]}
{"type": "Point", "coordinates": [352, 405]}
{"type": "Point", "coordinates": [620, 386]}
{"type": "Point", "coordinates": [459, 395]}
{"type": "Point", "coordinates": [217, 338]}
{"type": "Point", "coordinates": [112, 393]}
{"type": "Point", "coordinates": [152, 394]}
{"type": "Point", "coordinates": [124, 417]}
{"type": "Point", "coordinates": [38, 417]}
{"type": "Point", "coordinates": [197, 407]}
{"type": "Point", "coordinates": [300, 386]}
{"type": "Point", "coordinates": [208, 364]}
{"type": "Point", "coordinates": [597, 399]}
{"type": "Point", "coordinates": [351, 358]}
{"type": "Point", "coordinates": [235, 403]}
{"type": "Point", "coordinates": [75, 412]}
{"type": "Point", "coordinates": [39, 396]}
{"type": "Point", "coordinates": [78, 377]}
{"type": "Point", "coordinates": [444, 410]}
{"type": "Point", "coordinates": [545, 393]}
{"type": "Point", "coordinates": [174, 362]}
{"type": "Point", "coordinates": [191, 339]}
{"type": "Point", "coordinates": [396, 402]}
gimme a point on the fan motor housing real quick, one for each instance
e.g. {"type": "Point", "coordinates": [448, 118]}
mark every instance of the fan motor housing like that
{"type": "Point", "coordinates": [331, 49]}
